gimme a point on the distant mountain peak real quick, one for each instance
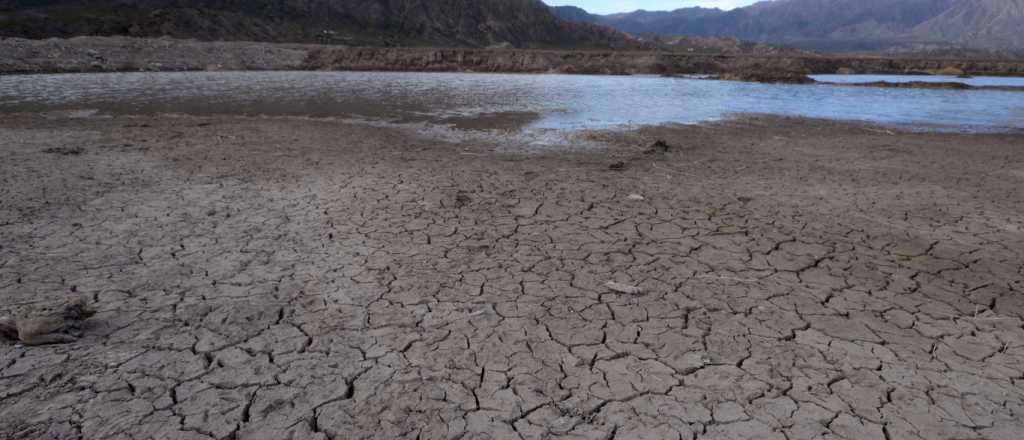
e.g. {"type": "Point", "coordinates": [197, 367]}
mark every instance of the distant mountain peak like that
{"type": "Point", "coordinates": [839, 24]}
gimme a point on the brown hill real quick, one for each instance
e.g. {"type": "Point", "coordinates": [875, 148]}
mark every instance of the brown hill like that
{"type": "Point", "coordinates": [472, 23]}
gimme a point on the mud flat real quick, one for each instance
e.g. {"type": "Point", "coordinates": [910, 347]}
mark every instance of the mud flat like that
{"type": "Point", "coordinates": [927, 85]}
{"type": "Point", "coordinates": [287, 278]}
{"type": "Point", "coordinates": [115, 54]}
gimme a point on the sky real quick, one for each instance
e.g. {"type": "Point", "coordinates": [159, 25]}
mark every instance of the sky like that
{"type": "Point", "coordinates": [612, 6]}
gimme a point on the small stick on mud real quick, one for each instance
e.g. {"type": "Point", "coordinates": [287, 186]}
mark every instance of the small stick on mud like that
{"type": "Point", "coordinates": [23, 303]}
{"type": "Point", "coordinates": [624, 288]}
{"type": "Point", "coordinates": [725, 278]}
{"type": "Point", "coordinates": [875, 130]}
{"type": "Point", "coordinates": [671, 170]}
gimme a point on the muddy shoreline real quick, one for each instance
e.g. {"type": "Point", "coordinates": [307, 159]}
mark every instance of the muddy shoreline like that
{"type": "Point", "coordinates": [269, 278]}
{"type": "Point", "coordinates": [115, 54]}
{"type": "Point", "coordinates": [926, 85]}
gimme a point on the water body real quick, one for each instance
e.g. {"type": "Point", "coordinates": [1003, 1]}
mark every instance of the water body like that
{"type": "Point", "coordinates": [535, 101]}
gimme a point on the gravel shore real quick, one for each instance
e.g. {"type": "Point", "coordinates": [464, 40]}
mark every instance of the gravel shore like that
{"type": "Point", "coordinates": [313, 279]}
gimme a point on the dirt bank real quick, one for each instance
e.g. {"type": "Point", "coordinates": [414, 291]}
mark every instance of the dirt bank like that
{"type": "Point", "coordinates": [619, 62]}
{"type": "Point", "coordinates": [118, 54]}
{"type": "Point", "coordinates": [928, 85]}
{"type": "Point", "coordinates": [272, 279]}
{"type": "Point", "coordinates": [88, 54]}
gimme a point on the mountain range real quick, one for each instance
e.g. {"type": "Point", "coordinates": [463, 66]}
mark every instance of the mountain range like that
{"type": "Point", "coordinates": [456, 23]}
{"type": "Point", "coordinates": [832, 25]}
{"type": "Point", "coordinates": [825, 25]}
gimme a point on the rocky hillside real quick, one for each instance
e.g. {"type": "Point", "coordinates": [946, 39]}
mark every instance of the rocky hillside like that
{"type": "Point", "coordinates": [838, 24]}
{"type": "Point", "coordinates": [998, 23]}
{"type": "Point", "coordinates": [718, 45]}
{"type": "Point", "coordinates": [463, 23]}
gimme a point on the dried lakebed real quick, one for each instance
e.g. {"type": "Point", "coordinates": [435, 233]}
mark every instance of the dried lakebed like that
{"type": "Point", "coordinates": [276, 278]}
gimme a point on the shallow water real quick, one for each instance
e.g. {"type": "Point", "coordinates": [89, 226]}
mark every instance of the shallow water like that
{"type": "Point", "coordinates": [977, 81]}
{"type": "Point", "coordinates": [554, 101]}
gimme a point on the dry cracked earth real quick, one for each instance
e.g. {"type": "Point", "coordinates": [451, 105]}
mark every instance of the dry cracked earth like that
{"type": "Point", "coordinates": [300, 279]}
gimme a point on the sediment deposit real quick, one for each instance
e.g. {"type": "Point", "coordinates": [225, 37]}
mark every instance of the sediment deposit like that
{"type": "Point", "coordinates": [289, 278]}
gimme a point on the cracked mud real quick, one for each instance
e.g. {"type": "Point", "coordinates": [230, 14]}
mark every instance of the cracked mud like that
{"type": "Point", "coordinates": [295, 279]}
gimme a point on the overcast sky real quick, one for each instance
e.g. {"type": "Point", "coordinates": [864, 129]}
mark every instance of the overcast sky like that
{"type": "Point", "coordinates": [611, 6]}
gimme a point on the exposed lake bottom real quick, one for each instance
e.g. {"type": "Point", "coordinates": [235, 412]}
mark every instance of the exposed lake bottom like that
{"type": "Point", "coordinates": [310, 278]}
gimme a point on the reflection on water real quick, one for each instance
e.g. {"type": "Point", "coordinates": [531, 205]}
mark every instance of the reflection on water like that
{"type": "Point", "coordinates": [559, 101]}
